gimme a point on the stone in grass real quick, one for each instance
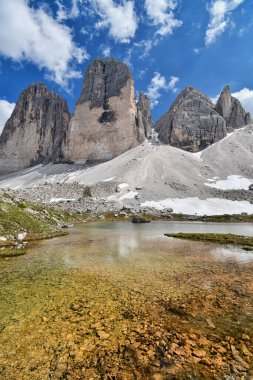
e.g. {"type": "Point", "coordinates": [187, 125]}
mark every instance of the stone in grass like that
{"type": "Point", "coordinates": [137, 219]}
{"type": "Point", "coordinates": [67, 225]}
{"type": "Point", "coordinates": [21, 236]}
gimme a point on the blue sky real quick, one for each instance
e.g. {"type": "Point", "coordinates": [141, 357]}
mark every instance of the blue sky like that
{"type": "Point", "coordinates": [167, 43]}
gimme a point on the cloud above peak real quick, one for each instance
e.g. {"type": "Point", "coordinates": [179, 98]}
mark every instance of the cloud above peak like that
{"type": "Point", "coordinates": [159, 83]}
{"type": "Point", "coordinates": [6, 109]}
{"type": "Point", "coordinates": [120, 19]}
{"type": "Point", "coordinates": [161, 12]}
{"type": "Point", "coordinates": [219, 11]}
{"type": "Point", "coordinates": [33, 35]}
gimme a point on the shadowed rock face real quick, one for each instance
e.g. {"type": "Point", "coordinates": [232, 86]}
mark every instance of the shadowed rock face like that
{"type": "Point", "coordinates": [144, 118]}
{"type": "Point", "coordinates": [34, 132]}
{"type": "Point", "coordinates": [191, 123]}
{"type": "Point", "coordinates": [104, 123]}
{"type": "Point", "coordinates": [231, 109]}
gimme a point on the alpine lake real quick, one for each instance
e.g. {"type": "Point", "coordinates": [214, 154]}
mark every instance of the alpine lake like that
{"type": "Point", "coordinates": [121, 301]}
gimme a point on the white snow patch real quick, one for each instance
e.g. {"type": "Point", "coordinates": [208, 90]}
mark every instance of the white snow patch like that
{"type": "Point", "coordinates": [108, 179]}
{"type": "Point", "coordinates": [57, 200]}
{"type": "Point", "coordinates": [129, 195]}
{"type": "Point", "coordinates": [122, 187]}
{"type": "Point", "coordinates": [197, 154]}
{"type": "Point", "coordinates": [233, 182]}
{"type": "Point", "coordinates": [196, 206]}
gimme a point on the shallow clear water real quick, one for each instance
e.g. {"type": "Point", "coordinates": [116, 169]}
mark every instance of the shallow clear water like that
{"type": "Point", "coordinates": [121, 301]}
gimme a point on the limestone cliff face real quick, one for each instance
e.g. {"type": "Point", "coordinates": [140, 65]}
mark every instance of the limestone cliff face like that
{"type": "Point", "coordinates": [191, 123]}
{"type": "Point", "coordinates": [34, 132]}
{"type": "Point", "coordinates": [232, 111]}
{"type": "Point", "coordinates": [104, 122]}
{"type": "Point", "coordinates": [144, 118]}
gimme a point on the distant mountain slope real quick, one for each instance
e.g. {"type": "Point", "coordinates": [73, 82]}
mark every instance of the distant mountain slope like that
{"type": "Point", "coordinates": [193, 122]}
{"type": "Point", "coordinates": [156, 173]}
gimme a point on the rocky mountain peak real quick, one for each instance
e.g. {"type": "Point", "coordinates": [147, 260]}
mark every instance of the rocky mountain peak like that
{"type": "Point", "coordinates": [34, 132]}
{"type": "Point", "coordinates": [191, 122]}
{"type": "Point", "coordinates": [105, 121]}
{"type": "Point", "coordinates": [231, 110]}
{"type": "Point", "coordinates": [104, 79]}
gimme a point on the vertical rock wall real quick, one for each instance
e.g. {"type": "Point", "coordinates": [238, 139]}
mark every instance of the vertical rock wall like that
{"type": "Point", "coordinates": [104, 122]}
{"type": "Point", "coordinates": [34, 132]}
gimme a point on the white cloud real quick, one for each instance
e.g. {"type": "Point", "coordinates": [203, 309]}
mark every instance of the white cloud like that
{"type": "Point", "coordinates": [140, 49]}
{"type": "Point", "coordinates": [6, 109]}
{"type": "Point", "coordinates": [145, 46]}
{"type": "Point", "coordinates": [120, 19]}
{"type": "Point", "coordinates": [142, 73]}
{"type": "Point", "coordinates": [172, 84]}
{"type": "Point", "coordinates": [28, 34]}
{"type": "Point", "coordinates": [161, 12]}
{"type": "Point", "coordinates": [106, 51]}
{"type": "Point", "coordinates": [220, 11]}
{"type": "Point", "coordinates": [196, 50]}
{"type": "Point", "coordinates": [63, 13]}
{"type": "Point", "coordinates": [159, 83]}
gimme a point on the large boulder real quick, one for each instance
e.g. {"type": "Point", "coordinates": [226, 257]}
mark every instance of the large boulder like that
{"type": "Point", "coordinates": [192, 123]}
{"type": "Point", "coordinates": [105, 121]}
{"type": "Point", "coordinates": [34, 132]}
{"type": "Point", "coordinates": [232, 111]}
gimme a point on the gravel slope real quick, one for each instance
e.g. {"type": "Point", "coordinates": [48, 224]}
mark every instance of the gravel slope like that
{"type": "Point", "coordinates": [158, 172]}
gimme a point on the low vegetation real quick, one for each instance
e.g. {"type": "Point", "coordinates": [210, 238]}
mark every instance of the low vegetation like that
{"type": "Point", "coordinates": [245, 241]}
{"type": "Point", "coordinates": [22, 220]}
{"type": "Point", "coordinates": [237, 218]}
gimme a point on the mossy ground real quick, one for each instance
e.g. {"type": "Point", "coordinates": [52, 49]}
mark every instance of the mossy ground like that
{"type": "Point", "coordinates": [12, 252]}
{"type": "Point", "coordinates": [38, 221]}
{"type": "Point", "coordinates": [236, 218]}
{"type": "Point", "coordinates": [246, 241]}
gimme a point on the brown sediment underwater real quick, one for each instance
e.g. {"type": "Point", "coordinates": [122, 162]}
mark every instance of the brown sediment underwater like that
{"type": "Point", "coordinates": [120, 301]}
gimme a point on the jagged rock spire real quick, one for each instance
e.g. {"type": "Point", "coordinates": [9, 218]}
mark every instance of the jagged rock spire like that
{"type": "Point", "coordinates": [231, 110]}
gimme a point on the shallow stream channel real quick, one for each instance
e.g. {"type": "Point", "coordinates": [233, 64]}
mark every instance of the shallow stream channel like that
{"type": "Point", "coordinates": [122, 301]}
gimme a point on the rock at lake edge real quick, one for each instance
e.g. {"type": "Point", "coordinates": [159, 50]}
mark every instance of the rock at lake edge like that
{"type": "Point", "coordinates": [137, 219]}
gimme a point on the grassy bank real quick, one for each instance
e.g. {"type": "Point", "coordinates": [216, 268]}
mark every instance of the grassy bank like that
{"type": "Point", "coordinates": [241, 218]}
{"type": "Point", "coordinates": [35, 221]}
{"type": "Point", "coordinates": [246, 241]}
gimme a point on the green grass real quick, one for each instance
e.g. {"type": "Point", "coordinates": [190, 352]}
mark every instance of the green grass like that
{"type": "Point", "coordinates": [246, 241]}
{"type": "Point", "coordinates": [12, 252]}
{"type": "Point", "coordinates": [38, 221]}
{"type": "Point", "coordinates": [241, 218]}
